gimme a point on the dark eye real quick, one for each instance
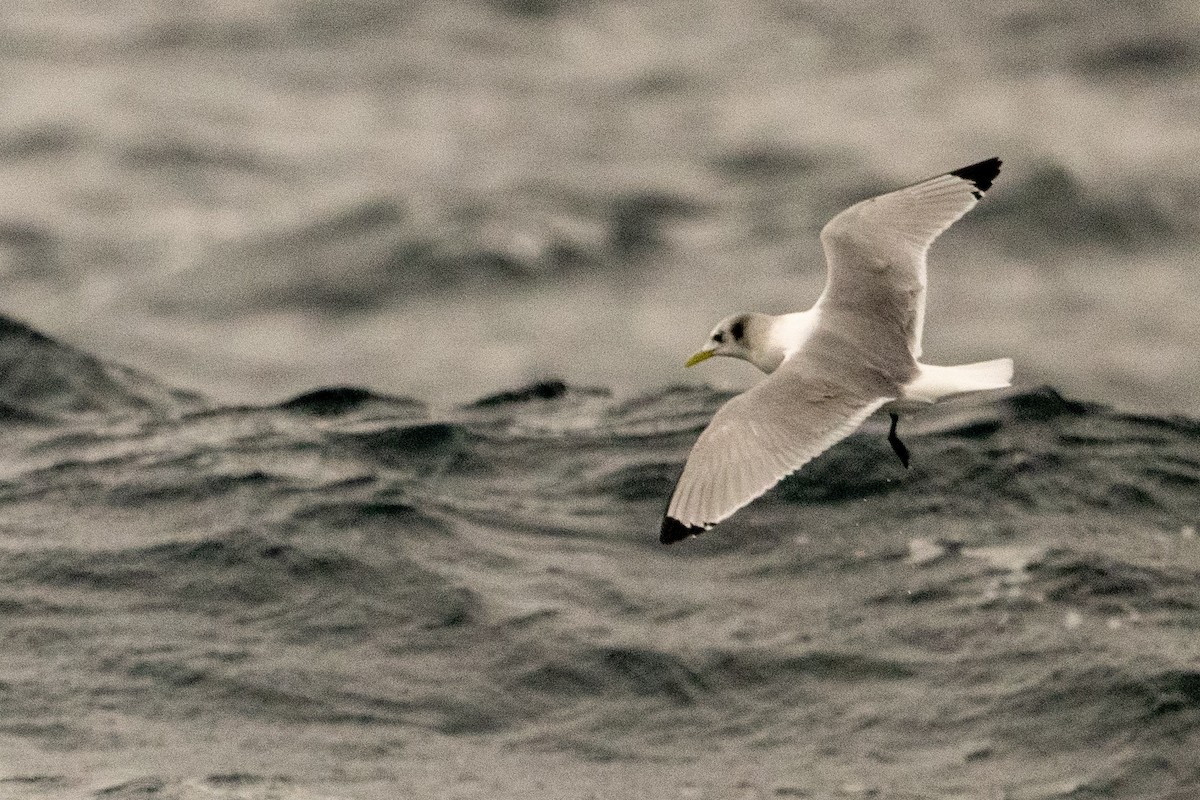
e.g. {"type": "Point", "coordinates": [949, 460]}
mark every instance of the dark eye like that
{"type": "Point", "coordinates": [737, 329]}
{"type": "Point", "coordinates": [718, 337]}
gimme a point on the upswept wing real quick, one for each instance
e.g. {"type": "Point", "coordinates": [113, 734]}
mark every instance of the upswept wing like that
{"type": "Point", "coordinates": [755, 440]}
{"type": "Point", "coordinates": [876, 249]}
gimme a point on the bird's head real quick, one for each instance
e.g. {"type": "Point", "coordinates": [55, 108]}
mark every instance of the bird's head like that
{"type": "Point", "coordinates": [733, 337]}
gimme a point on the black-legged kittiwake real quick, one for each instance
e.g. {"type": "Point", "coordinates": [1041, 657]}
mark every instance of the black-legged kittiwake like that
{"type": "Point", "coordinates": [829, 368]}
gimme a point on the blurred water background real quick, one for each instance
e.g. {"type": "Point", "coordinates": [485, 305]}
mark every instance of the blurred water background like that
{"type": "Point", "coordinates": [449, 199]}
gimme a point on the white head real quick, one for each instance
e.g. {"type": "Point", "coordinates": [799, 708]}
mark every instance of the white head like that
{"type": "Point", "coordinates": [738, 336]}
{"type": "Point", "coordinates": [761, 339]}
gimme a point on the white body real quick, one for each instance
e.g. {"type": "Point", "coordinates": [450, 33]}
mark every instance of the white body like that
{"type": "Point", "coordinates": [790, 332]}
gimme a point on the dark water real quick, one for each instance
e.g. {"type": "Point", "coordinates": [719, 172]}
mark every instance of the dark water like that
{"type": "Point", "coordinates": [350, 595]}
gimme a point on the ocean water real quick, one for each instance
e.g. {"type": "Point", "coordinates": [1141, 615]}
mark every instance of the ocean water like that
{"type": "Point", "coordinates": [351, 595]}
{"type": "Point", "coordinates": [342, 394]}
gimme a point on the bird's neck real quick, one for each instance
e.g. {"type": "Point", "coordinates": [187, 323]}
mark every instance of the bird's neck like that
{"type": "Point", "coordinates": [784, 335]}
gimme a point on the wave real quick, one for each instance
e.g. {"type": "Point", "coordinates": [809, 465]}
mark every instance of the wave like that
{"type": "Point", "coordinates": [1028, 448]}
{"type": "Point", "coordinates": [336, 401]}
{"type": "Point", "coordinates": [1104, 584]}
{"type": "Point", "coordinates": [702, 678]}
{"type": "Point", "coordinates": [29, 250]}
{"type": "Point", "coordinates": [1052, 207]}
{"type": "Point", "coordinates": [41, 378]}
{"type": "Point", "coordinates": [40, 140]}
{"type": "Point", "coordinates": [292, 584]}
{"type": "Point", "coordinates": [1152, 56]}
{"type": "Point", "coordinates": [1048, 202]}
{"type": "Point", "coordinates": [1093, 703]}
{"type": "Point", "coordinates": [352, 561]}
{"type": "Point", "coordinates": [361, 255]}
{"type": "Point", "coordinates": [1031, 447]}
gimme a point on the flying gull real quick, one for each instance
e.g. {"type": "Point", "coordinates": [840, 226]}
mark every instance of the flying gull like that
{"type": "Point", "coordinates": [829, 368]}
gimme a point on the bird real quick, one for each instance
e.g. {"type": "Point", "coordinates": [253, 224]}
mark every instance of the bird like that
{"type": "Point", "coordinates": [829, 368]}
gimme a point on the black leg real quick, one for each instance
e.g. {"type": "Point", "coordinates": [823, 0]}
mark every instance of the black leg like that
{"type": "Point", "coordinates": [895, 442]}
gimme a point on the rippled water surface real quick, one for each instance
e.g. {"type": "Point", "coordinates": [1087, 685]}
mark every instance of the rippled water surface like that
{"type": "Point", "coordinates": [349, 594]}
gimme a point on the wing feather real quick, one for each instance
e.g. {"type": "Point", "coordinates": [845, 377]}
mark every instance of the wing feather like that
{"type": "Point", "coordinates": [758, 438]}
{"type": "Point", "coordinates": [876, 250]}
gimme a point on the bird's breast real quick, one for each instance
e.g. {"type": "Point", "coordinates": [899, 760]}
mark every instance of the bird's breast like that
{"type": "Point", "coordinates": [790, 332]}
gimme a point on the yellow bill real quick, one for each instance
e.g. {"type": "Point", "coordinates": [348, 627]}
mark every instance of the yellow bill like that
{"type": "Point", "coordinates": [703, 355]}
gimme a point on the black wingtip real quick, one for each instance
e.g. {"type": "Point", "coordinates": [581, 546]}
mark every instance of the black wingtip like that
{"type": "Point", "coordinates": [675, 531]}
{"type": "Point", "coordinates": [980, 174]}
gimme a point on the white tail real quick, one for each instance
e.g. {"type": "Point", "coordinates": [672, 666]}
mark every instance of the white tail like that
{"type": "Point", "coordinates": [934, 383]}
